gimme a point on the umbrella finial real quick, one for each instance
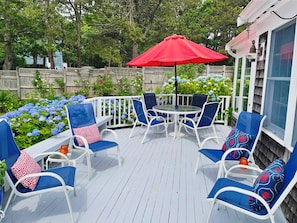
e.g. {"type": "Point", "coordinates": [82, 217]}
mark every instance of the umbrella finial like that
{"type": "Point", "coordinates": [175, 36]}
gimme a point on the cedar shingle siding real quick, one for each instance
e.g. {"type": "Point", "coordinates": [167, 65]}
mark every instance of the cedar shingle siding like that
{"type": "Point", "coordinates": [267, 149]}
{"type": "Point", "coordinates": [258, 91]}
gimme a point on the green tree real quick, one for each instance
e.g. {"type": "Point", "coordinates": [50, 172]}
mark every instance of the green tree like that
{"type": "Point", "coordinates": [11, 24]}
{"type": "Point", "coordinates": [109, 32]}
{"type": "Point", "coordinates": [30, 41]}
{"type": "Point", "coordinates": [74, 11]}
{"type": "Point", "coordinates": [53, 29]}
{"type": "Point", "coordinates": [211, 23]}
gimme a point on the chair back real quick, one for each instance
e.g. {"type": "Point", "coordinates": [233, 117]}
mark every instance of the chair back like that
{"type": "Point", "coordinates": [139, 111]}
{"type": "Point", "coordinates": [199, 100]}
{"type": "Point", "coordinates": [80, 115]}
{"type": "Point", "coordinates": [251, 123]}
{"type": "Point", "coordinates": [149, 100]}
{"type": "Point", "coordinates": [9, 151]}
{"type": "Point", "coordinates": [208, 114]}
{"type": "Point", "coordinates": [290, 181]}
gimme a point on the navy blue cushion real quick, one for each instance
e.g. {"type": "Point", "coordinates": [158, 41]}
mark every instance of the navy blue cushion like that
{"type": "Point", "coordinates": [237, 139]}
{"type": "Point", "coordinates": [268, 184]}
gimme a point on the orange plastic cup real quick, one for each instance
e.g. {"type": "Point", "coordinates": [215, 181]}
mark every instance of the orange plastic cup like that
{"type": "Point", "coordinates": [64, 149]}
{"type": "Point", "coordinates": [243, 161]}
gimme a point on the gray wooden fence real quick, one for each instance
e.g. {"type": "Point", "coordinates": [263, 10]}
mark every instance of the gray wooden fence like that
{"type": "Point", "coordinates": [20, 80]}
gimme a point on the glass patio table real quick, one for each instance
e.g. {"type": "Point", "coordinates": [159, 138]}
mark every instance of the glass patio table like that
{"type": "Point", "coordinates": [176, 111]}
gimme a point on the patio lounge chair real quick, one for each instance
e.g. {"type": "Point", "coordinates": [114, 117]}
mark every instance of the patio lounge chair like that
{"type": "Point", "coordinates": [248, 124]}
{"type": "Point", "coordinates": [238, 196]}
{"type": "Point", "coordinates": [24, 175]}
{"type": "Point", "coordinates": [143, 119]}
{"type": "Point", "coordinates": [205, 120]}
{"type": "Point", "coordinates": [86, 135]}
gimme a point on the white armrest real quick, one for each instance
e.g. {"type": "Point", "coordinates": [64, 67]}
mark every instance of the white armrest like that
{"type": "Point", "coordinates": [151, 110]}
{"type": "Point", "coordinates": [158, 117]}
{"type": "Point", "coordinates": [222, 166]}
{"type": "Point", "coordinates": [246, 192]}
{"type": "Point", "coordinates": [215, 138]}
{"type": "Point", "coordinates": [110, 131]}
{"type": "Point", "coordinates": [84, 148]}
{"type": "Point", "coordinates": [49, 174]}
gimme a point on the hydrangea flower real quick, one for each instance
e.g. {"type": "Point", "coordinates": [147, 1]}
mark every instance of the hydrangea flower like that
{"type": "Point", "coordinates": [55, 131]}
{"type": "Point", "coordinates": [35, 132]}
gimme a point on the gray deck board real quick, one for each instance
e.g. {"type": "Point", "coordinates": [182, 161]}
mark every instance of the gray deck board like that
{"type": "Point", "coordinates": [156, 184]}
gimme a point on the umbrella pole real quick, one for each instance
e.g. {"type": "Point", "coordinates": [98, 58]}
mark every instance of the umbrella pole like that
{"type": "Point", "coordinates": [175, 85]}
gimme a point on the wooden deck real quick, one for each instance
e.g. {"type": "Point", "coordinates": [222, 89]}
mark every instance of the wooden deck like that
{"type": "Point", "coordinates": [156, 184]}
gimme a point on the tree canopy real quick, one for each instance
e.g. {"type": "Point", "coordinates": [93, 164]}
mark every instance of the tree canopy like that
{"type": "Point", "coordinates": [109, 32]}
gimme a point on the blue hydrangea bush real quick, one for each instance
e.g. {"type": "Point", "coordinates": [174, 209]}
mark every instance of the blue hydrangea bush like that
{"type": "Point", "coordinates": [33, 123]}
{"type": "Point", "coordinates": [213, 85]}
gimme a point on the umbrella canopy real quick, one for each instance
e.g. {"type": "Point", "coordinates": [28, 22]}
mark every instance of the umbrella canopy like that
{"type": "Point", "coordinates": [176, 50]}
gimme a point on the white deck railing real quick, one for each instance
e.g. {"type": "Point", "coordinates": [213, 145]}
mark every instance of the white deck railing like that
{"type": "Point", "coordinates": [120, 107]}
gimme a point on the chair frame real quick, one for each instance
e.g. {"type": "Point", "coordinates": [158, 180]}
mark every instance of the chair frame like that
{"type": "Point", "coordinates": [85, 148]}
{"type": "Point", "coordinates": [148, 107]}
{"type": "Point", "coordinates": [198, 100]}
{"type": "Point", "coordinates": [15, 192]}
{"type": "Point", "coordinates": [195, 124]}
{"type": "Point", "coordinates": [149, 121]}
{"type": "Point", "coordinates": [222, 168]}
{"type": "Point", "coordinates": [244, 190]}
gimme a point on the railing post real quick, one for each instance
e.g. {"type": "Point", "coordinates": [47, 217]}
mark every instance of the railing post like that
{"type": "Point", "coordinates": [227, 108]}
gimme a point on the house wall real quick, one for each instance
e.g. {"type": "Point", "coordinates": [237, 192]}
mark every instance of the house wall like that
{"type": "Point", "coordinates": [261, 26]}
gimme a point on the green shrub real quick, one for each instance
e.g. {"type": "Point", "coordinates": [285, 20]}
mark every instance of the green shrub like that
{"type": "Point", "coordinates": [103, 85]}
{"type": "Point", "coordinates": [42, 88]}
{"type": "Point", "coordinates": [124, 87]}
{"type": "Point", "coordinates": [84, 87]}
{"type": "Point", "coordinates": [8, 101]}
{"type": "Point", "coordinates": [137, 84]}
{"type": "Point", "coordinates": [61, 84]}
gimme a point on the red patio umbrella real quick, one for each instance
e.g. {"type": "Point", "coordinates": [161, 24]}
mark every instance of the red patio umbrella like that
{"type": "Point", "coordinates": [176, 50]}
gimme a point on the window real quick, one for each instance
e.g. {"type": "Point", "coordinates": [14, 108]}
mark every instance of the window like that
{"type": "Point", "coordinates": [278, 79]}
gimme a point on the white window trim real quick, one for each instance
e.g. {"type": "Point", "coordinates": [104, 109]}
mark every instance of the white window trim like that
{"type": "Point", "coordinates": [234, 83]}
{"type": "Point", "coordinates": [252, 83]}
{"type": "Point", "coordinates": [241, 86]}
{"type": "Point", "coordinates": [289, 128]}
{"type": "Point", "coordinates": [240, 97]}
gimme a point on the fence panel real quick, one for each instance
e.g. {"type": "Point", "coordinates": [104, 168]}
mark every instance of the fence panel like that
{"type": "Point", "coordinates": [76, 79]}
{"type": "Point", "coordinates": [9, 81]}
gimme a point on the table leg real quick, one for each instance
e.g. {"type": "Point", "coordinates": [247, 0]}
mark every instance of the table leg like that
{"type": "Point", "coordinates": [175, 125]}
{"type": "Point", "coordinates": [175, 130]}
